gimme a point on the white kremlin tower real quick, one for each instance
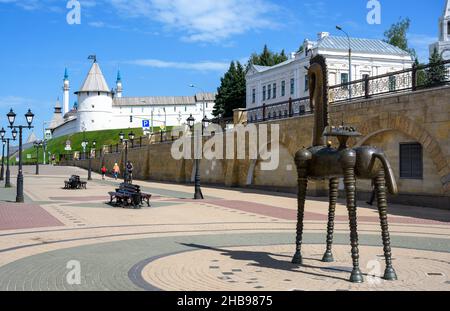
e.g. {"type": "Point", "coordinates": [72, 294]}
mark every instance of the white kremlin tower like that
{"type": "Point", "coordinates": [95, 101]}
{"type": "Point", "coordinates": [100, 108]}
{"type": "Point", "coordinates": [66, 89]}
{"type": "Point", "coordinates": [443, 46]}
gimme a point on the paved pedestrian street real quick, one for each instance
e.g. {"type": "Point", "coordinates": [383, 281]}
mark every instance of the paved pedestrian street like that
{"type": "Point", "coordinates": [235, 239]}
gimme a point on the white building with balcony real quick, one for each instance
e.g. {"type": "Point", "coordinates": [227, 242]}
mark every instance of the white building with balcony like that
{"type": "Point", "coordinates": [270, 85]}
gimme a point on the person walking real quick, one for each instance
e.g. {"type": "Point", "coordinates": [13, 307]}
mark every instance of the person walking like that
{"type": "Point", "coordinates": [130, 168]}
{"type": "Point", "coordinates": [104, 170]}
{"type": "Point", "coordinates": [116, 171]}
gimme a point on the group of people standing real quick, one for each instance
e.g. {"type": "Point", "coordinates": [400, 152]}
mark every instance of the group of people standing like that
{"type": "Point", "coordinates": [116, 171]}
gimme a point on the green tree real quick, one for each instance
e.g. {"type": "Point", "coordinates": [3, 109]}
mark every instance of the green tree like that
{"type": "Point", "coordinates": [231, 93]}
{"type": "Point", "coordinates": [421, 74]}
{"type": "Point", "coordinates": [267, 58]}
{"type": "Point", "coordinates": [437, 72]}
{"type": "Point", "coordinates": [397, 36]}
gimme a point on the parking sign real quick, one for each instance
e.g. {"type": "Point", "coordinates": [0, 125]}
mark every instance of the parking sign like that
{"type": "Point", "coordinates": [145, 124]}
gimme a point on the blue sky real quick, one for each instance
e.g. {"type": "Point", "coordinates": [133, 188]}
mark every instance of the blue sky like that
{"type": "Point", "coordinates": [162, 46]}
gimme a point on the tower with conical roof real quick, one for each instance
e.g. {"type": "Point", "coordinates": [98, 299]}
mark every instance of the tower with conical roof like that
{"type": "Point", "coordinates": [66, 89]}
{"type": "Point", "coordinates": [443, 45]}
{"type": "Point", "coordinates": [94, 102]}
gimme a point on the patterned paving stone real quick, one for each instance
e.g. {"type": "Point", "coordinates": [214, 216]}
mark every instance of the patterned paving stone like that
{"type": "Point", "coordinates": [119, 265]}
{"type": "Point", "coordinates": [414, 274]}
{"type": "Point", "coordinates": [24, 216]}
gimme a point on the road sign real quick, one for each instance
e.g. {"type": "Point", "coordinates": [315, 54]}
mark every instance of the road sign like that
{"type": "Point", "coordinates": [145, 124]}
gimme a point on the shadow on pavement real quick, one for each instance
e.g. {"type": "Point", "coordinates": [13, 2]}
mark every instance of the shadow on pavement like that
{"type": "Point", "coordinates": [265, 260]}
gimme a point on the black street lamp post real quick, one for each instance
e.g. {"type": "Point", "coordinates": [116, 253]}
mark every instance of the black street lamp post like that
{"type": "Point", "coordinates": [198, 195]}
{"type": "Point", "coordinates": [38, 144]}
{"type": "Point", "coordinates": [125, 141]}
{"type": "Point", "coordinates": [2, 135]}
{"type": "Point", "coordinates": [8, 172]}
{"type": "Point", "coordinates": [86, 143]}
{"type": "Point", "coordinates": [29, 116]}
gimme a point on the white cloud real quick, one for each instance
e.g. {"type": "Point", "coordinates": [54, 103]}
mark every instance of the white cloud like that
{"type": "Point", "coordinates": [199, 66]}
{"type": "Point", "coordinates": [203, 20]}
{"type": "Point", "coordinates": [97, 24]}
{"type": "Point", "coordinates": [28, 5]}
{"type": "Point", "coordinates": [14, 101]}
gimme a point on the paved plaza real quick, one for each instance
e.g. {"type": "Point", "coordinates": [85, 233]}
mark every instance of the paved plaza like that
{"type": "Point", "coordinates": [235, 239]}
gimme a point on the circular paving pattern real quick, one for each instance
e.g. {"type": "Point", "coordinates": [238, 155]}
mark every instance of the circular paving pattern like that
{"type": "Point", "coordinates": [269, 268]}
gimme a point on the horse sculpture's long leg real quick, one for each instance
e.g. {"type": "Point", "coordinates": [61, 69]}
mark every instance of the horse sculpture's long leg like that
{"type": "Point", "coordinates": [334, 188]}
{"type": "Point", "coordinates": [350, 188]}
{"type": "Point", "coordinates": [380, 186]}
{"type": "Point", "coordinates": [302, 187]}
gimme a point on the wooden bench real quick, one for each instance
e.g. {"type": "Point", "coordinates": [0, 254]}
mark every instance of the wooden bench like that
{"type": "Point", "coordinates": [129, 195]}
{"type": "Point", "coordinates": [75, 182]}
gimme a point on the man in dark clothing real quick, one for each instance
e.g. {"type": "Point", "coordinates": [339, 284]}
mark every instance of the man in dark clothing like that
{"type": "Point", "coordinates": [130, 168]}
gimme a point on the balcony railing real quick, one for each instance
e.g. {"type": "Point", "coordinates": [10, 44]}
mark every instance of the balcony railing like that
{"type": "Point", "coordinates": [409, 80]}
{"type": "Point", "coordinates": [282, 110]}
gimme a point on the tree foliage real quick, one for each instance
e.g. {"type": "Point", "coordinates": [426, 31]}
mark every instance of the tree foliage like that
{"type": "Point", "coordinates": [436, 73]}
{"type": "Point", "coordinates": [397, 36]}
{"type": "Point", "coordinates": [231, 93]}
{"type": "Point", "coordinates": [267, 58]}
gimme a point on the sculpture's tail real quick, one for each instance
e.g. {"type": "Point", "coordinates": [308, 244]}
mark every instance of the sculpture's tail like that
{"type": "Point", "coordinates": [388, 172]}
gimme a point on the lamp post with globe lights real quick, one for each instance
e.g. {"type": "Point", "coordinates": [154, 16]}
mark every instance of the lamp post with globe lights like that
{"type": "Point", "coordinates": [349, 60]}
{"type": "Point", "coordinates": [94, 143]}
{"type": "Point", "coordinates": [29, 116]}
{"type": "Point", "coordinates": [2, 172]}
{"type": "Point", "coordinates": [38, 144]}
{"type": "Point", "coordinates": [125, 141]}
{"type": "Point", "coordinates": [198, 195]}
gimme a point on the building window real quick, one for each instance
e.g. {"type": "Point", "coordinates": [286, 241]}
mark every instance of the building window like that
{"type": "Point", "coordinates": [392, 83]}
{"type": "Point", "coordinates": [292, 86]}
{"type": "Point", "coordinates": [254, 96]}
{"type": "Point", "coordinates": [185, 108]}
{"type": "Point", "coordinates": [448, 29]}
{"type": "Point", "coordinates": [283, 88]}
{"type": "Point", "coordinates": [306, 83]}
{"type": "Point", "coordinates": [175, 108]}
{"type": "Point", "coordinates": [269, 91]}
{"type": "Point", "coordinates": [264, 93]}
{"type": "Point", "coordinates": [411, 161]}
{"type": "Point", "coordinates": [274, 90]}
{"type": "Point", "coordinates": [344, 78]}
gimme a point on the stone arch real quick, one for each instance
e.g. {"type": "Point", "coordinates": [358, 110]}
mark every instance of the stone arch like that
{"type": "Point", "coordinates": [401, 123]}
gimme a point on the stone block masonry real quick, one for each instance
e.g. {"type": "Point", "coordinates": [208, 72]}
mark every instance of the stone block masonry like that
{"type": "Point", "coordinates": [386, 122]}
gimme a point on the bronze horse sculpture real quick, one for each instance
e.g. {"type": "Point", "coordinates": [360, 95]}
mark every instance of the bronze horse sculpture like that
{"type": "Point", "coordinates": [321, 161]}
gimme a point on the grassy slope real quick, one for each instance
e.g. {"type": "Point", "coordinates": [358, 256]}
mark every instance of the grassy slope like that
{"type": "Point", "coordinates": [57, 145]}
